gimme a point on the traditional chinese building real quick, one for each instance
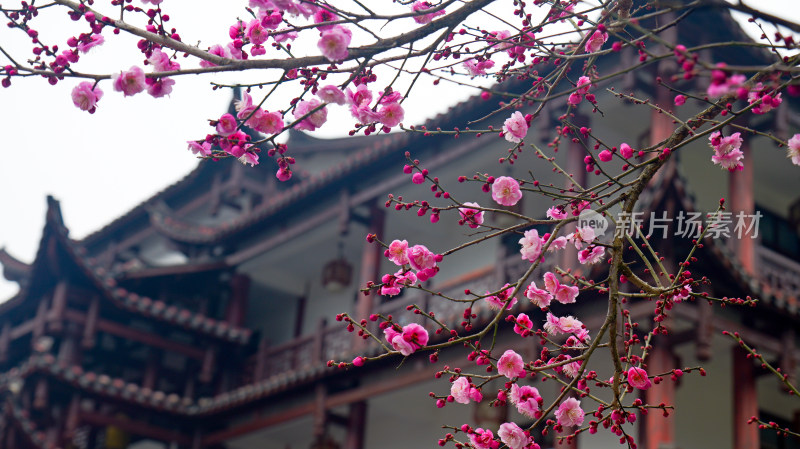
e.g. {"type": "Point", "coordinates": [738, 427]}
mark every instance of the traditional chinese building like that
{"type": "Point", "coordinates": [203, 317]}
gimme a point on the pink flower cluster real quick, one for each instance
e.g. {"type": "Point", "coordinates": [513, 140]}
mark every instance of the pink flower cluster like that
{"type": "Point", "coordinates": [311, 113]}
{"type": "Point", "coordinates": [257, 118]}
{"type": "Point", "coordinates": [418, 257]}
{"type": "Point", "coordinates": [727, 151]}
{"type": "Point", "coordinates": [596, 41]}
{"type": "Point", "coordinates": [499, 300]}
{"type": "Point", "coordinates": [394, 283]}
{"type": "Point", "coordinates": [463, 391]}
{"type": "Point", "coordinates": [475, 67]}
{"type": "Point", "coordinates": [411, 338]}
{"type": "Point", "coordinates": [567, 325]}
{"type": "Point", "coordinates": [470, 215]}
{"type": "Point", "coordinates": [390, 113]}
{"type": "Point", "coordinates": [422, 19]}
{"type": "Point", "coordinates": [527, 400]}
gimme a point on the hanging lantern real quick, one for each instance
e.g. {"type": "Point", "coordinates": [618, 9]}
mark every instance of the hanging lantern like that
{"type": "Point", "coordinates": [337, 273]}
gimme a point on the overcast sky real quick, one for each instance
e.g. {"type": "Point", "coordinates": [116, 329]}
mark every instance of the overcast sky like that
{"type": "Point", "coordinates": [101, 165]}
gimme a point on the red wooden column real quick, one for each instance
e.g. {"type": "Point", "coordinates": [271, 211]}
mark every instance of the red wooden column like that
{"type": "Point", "coordinates": [370, 269]}
{"type": "Point", "coordinates": [237, 304]}
{"type": "Point", "coordinates": [659, 430]}
{"type": "Point", "coordinates": [741, 200]}
{"type": "Point", "coordinates": [745, 401]}
{"type": "Point", "coordinates": [356, 425]}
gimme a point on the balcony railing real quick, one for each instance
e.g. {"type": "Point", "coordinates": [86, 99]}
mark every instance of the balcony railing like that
{"type": "Point", "coordinates": [333, 342]}
{"type": "Point", "coordinates": [780, 273]}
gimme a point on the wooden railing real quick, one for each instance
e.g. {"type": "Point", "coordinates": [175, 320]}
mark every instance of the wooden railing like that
{"type": "Point", "coordinates": [779, 272]}
{"type": "Point", "coordinates": [333, 342]}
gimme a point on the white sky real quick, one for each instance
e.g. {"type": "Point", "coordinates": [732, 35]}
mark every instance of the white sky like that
{"type": "Point", "coordinates": [99, 166]}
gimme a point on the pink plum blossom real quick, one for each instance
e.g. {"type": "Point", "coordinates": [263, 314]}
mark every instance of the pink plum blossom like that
{"type": "Point", "coordinates": [256, 32]}
{"type": "Point", "coordinates": [420, 257]}
{"type": "Point", "coordinates": [531, 245]}
{"type": "Point", "coordinates": [569, 413]}
{"type": "Point", "coordinates": [541, 298]}
{"type": "Point", "coordinates": [471, 215]}
{"type": "Point", "coordinates": [394, 283]}
{"type": "Point", "coordinates": [574, 99]}
{"type": "Point", "coordinates": [226, 125]}
{"type": "Point", "coordinates": [515, 128]}
{"type": "Point", "coordinates": [506, 191]}
{"type": "Point", "coordinates": [362, 96]}
{"type": "Point", "coordinates": [550, 282]}
{"type": "Point", "coordinates": [331, 94]}
{"type": "Point", "coordinates": [583, 85]}
{"type": "Point", "coordinates": [596, 41]}
{"type": "Point", "coordinates": [94, 41]}
{"type": "Point", "coordinates": [397, 252]}
{"type": "Point", "coordinates": [511, 365]}
{"type": "Point", "coordinates": [130, 82]}
{"type": "Point", "coordinates": [727, 152]}
{"type": "Point", "coordinates": [498, 301]}
{"type": "Point", "coordinates": [572, 369]}
{"type": "Point", "coordinates": [680, 100]}
{"type": "Point", "coordinates": [476, 68]}
{"type": "Point", "coordinates": [391, 114]}
{"type": "Point", "coordinates": [591, 256]}
{"type": "Point", "coordinates": [201, 148]}
{"type": "Point", "coordinates": [527, 399]}
{"type": "Point", "coordinates": [460, 390]}
{"type": "Point", "coordinates": [562, 293]}
{"type": "Point", "coordinates": [315, 119]}
{"type": "Point", "coordinates": [412, 337]}
{"type": "Point", "coordinates": [159, 87]}
{"type": "Point", "coordinates": [637, 378]}
{"type": "Point", "coordinates": [85, 96]}
{"type": "Point", "coordinates": [333, 43]}
{"type": "Point", "coordinates": [217, 50]}
{"type": "Point", "coordinates": [463, 392]}
{"type": "Point", "coordinates": [483, 438]}
{"type": "Point", "coordinates": [626, 151]}
{"type": "Point", "coordinates": [266, 122]}
{"type": "Point", "coordinates": [794, 149]}
{"type": "Point", "coordinates": [557, 243]}
{"type": "Point", "coordinates": [523, 323]}
{"type": "Point", "coordinates": [582, 235]}
{"type": "Point", "coordinates": [161, 61]}
{"type": "Point", "coordinates": [425, 18]}
{"type": "Point", "coordinates": [513, 436]}
{"type": "Point", "coordinates": [249, 158]}
{"type": "Point", "coordinates": [556, 213]}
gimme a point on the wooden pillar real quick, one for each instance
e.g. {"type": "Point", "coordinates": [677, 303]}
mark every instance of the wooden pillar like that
{"type": "Point", "coordinates": [658, 430]}
{"type": "Point", "coordinates": [207, 369]}
{"type": "Point", "coordinates": [90, 331]}
{"type": "Point", "coordinates": [39, 320]}
{"type": "Point", "coordinates": [261, 360]}
{"type": "Point", "coordinates": [741, 201]}
{"type": "Point", "coordinates": [705, 330]}
{"type": "Point", "coordinates": [371, 259]}
{"type": "Point", "coordinates": [237, 306]}
{"type": "Point", "coordinates": [356, 425]}
{"type": "Point", "coordinates": [788, 359]}
{"type": "Point", "coordinates": [56, 317]}
{"type": "Point", "coordinates": [73, 411]}
{"type": "Point", "coordinates": [5, 341]}
{"type": "Point", "coordinates": [151, 370]}
{"type": "Point", "coordinates": [745, 401]}
{"type": "Point", "coordinates": [320, 413]}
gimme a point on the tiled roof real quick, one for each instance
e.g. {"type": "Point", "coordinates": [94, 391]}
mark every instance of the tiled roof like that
{"type": "Point", "coordinates": [120, 297]}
